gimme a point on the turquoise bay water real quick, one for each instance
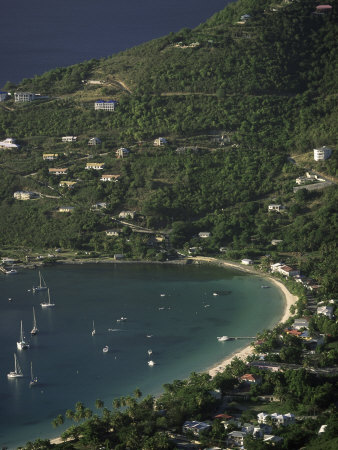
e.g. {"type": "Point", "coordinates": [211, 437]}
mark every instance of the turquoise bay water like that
{"type": "Point", "coordinates": [69, 362]}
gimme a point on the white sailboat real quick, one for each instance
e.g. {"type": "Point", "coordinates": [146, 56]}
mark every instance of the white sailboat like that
{"type": "Point", "coordinates": [42, 284]}
{"type": "Point", "coordinates": [47, 304]}
{"type": "Point", "coordinates": [17, 369]}
{"type": "Point", "coordinates": [34, 330]}
{"type": "Point", "coordinates": [34, 380]}
{"type": "Point", "coordinates": [22, 344]}
{"type": "Point", "coordinates": [151, 363]}
{"type": "Point", "coordinates": [93, 330]}
{"type": "Point", "coordinates": [150, 352]}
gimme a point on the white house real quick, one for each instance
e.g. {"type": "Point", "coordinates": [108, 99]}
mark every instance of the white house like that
{"type": "Point", "coordinates": [105, 105]}
{"type": "Point", "coordinates": [66, 209]}
{"type": "Point", "coordinates": [127, 214]}
{"type": "Point", "coordinates": [122, 152]}
{"type": "Point", "coordinates": [300, 323]}
{"type": "Point", "coordinates": [94, 166]}
{"type": "Point", "coordinates": [325, 311]}
{"type": "Point", "coordinates": [276, 207]}
{"type": "Point", "coordinates": [50, 156]}
{"type": "Point", "coordinates": [320, 154]}
{"type": "Point", "coordinates": [288, 271]}
{"type": "Point", "coordinates": [160, 141]}
{"type": "Point", "coordinates": [108, 177]}
{"type": "Point", "coordinates": [24, 195]}
{"type": "Point", "coordinates": [195, 427]}
{"type": "Point", "coordinates": [276, 241]}
{"type": "Point", "coordinates": [279, 419]}
{"type": "Point", "coordinates": [69, 138]}
{"type": "Point", "coordinates": [98, 206]}
{"type": "Point", "coordinates": [68, 184]}
{"type": "Point", "coordinates": [247, 262]}
{"type": "Point", "coordinates": [9, 143]}
{"type": "Point", "coordinates": [94, 141]}
{"type": "Point", "coordinates": [237, 437]}
{"type": "Point", "coordinates": [112, 233]}
{"type": "Point", "coordinates": [24, 96]}
{"type": "Point", "coordinates": [3, 96]}
{"type": "Point", "coordinates": [58, 171]}
{"type": "Point", "coordinates": [204, 234]}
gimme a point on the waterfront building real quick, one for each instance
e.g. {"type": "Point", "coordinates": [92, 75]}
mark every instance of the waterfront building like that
{"type": "Point", "coordinates": [24, 96]}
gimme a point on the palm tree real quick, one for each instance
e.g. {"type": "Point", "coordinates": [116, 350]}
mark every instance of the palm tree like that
{"type": "Point", "coordinates": [116, 403]}
{"type": "Point", "coordinates": [137, 393]}
{"type": "Point", "coordinates": [99, 404]}
{"type": "Point", "coordinates": [59, 420]}
{"type": "Point", "coordinates": [69, 414]}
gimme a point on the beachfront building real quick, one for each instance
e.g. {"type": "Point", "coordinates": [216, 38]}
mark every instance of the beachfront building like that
{"type": "Point", "coordinates": [105, 105]}
{"type": "Point", "coordinates": [284, 270]}
{"type": "Point", "coordinates": [195, 427]}
{"type": "Point", "coordinates": [94, 141]}
{"type": "Point", "coordinates": [24, 195]}
{"type": "Point", "coordinates": [24, 96]}
{"type": "Point", "coordinates": [122, 152]}
{"type": "Point", "coordinates": [247, 262]}
{"type": "Point", "coordinates": [109, 177]}
{"type": "Point", "coordinates": [3, 96]}
{"type": "Point", "coordinates": [320, 154]}
{"type": "Point", "coordinates": [9, 143]}
{"type": "Point", "coordinates": [160, 141]}
{"type": "Point", "coordinates": [249, 379]}
{"type": "Point", "coordinates": [50, 156]}
{"type": "Point", "coordinates": [58, 171]}
{"type": "Point", "coordinates": [94, 166]}
{"type": "Point", "coordinates": [118, 256]}
{"type": "Point", "coordinates": [298, 324]}
{"type": "Point", "coordinates": [69, 138]}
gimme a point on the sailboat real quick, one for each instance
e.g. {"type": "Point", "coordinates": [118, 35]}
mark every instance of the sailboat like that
{"type": "Point", "coordinates": [17, 369]}
{"type": "Point", "coordinates": [42, 285]}
{"type": "Point", "coordinates": [22, 344]}
{"type": "Point", "coordinates": [35, 328]}
{"type": "Point", "coordinates": [93, 330]}
{"type": "Point", "coordinates": [34, 380]}
{"type": "Point", "coordinates": [47, 304]}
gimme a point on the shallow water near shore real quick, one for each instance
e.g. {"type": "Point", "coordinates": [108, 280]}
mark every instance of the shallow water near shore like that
{"type": "Point", "coordinates": [183, 323]}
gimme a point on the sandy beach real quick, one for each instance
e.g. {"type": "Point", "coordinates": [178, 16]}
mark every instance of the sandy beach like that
{"type": "Point", "coordinates": [289, 298]}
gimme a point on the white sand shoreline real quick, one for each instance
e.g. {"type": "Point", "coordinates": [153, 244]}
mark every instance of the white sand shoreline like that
{"type": "Point", "coordinates": [289, 300]}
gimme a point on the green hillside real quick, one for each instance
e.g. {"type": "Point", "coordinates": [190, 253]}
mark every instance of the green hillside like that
{"type": "Point", "coordinates": [233, 98]}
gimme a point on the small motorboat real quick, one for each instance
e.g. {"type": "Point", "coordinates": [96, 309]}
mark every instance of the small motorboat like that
{"type": "Point", "coordinates": [150, 352]}
{"type": "Point", "coordinates": [265, 287]}
{"type": "Point", "coordinates": [223, 338]}
{"type": "Point", "coordinates": [105, 349]}
{"type": "Point", "coordinates": [151, 363]}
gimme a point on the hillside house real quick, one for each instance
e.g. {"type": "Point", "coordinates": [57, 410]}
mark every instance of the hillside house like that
{"type": "Point", "coordinates": [278, 419]}
{"type": "Point", "coordinates": [108, 177]}
{"type": "Point", "coordinates": [272, 439]}
{"type": "Point", "coordinates": [98, 206]}
{"type": "Point", "coordinates": [237, 438]}
{"type": "Point", "coordinates": [195, 427]}
{"type": "Point", "coordinates": [69, 138]}
{"type": "Point", "coordinates": [276, 241]}
{"type": "Point", "coordinates": [249, 379]}
{"type": "Point", "coordinates": [66, 209]}
{"type": "Point", "coordinates": [50, 156]}
{"type": "Point", "coordinates": [309, 177]}
{"type": "Point", "coordinates": [321, 154]}
{"type": "Point", "coordinates": [160, 141]}
{"type": "Point", "coordinates": [24, 96]}
{"type": "Point", "coordinates": [276, 207]}
{"type": "Point", "coordinates": [105, 105]}
{"type": "Point", "coordinates": [9, 143]}
{"type": "Point", "coordinates": [323, 9]}
{"type": "Point", "coordinates": [122, 152]}
{"type": "Point", "coordinates": [68, 184]}
{"type": "Point", "coordinates": [25, 195]}
{"type": "Point", "coordinates": [204, 234]}
{"type": "Point", "coordinates": [58, 171]}
{"type": "Point", "coordinates": [112, 233]}
{"type": "Point", "coordinates": [3, 96]}
{"type": "Point", "coordinates": [94, 166]}
{"type": "Point", "coordinates": [325, 311]}
{"type": "Point", "coordinates": [247, 262]}
{"type": "Point", "coordinates": [94, 141]}
{"type": "Point", "coordinates": [127, 214]}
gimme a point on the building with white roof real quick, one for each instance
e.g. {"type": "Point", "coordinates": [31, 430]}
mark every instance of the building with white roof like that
{"type": "Point", "coordinates": [320, 154]}
{"type": "Point", "coordinates": [9, 143]}
{"type": "Point", "coordinates": [105, 105]}
{"type": "Point", "coordinates": [325, 311]}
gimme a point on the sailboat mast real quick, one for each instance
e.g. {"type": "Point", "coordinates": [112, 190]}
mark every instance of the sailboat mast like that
{"type": "Point", "coordinates": [21, 332]}
{"type": "Point", "coordinates": [15, 365]}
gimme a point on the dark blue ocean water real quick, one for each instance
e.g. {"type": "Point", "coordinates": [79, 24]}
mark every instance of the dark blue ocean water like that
{"type": "Point", "coordinates": [69, 361]}
{"type": "Point", "coordinates": [39, 35]}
